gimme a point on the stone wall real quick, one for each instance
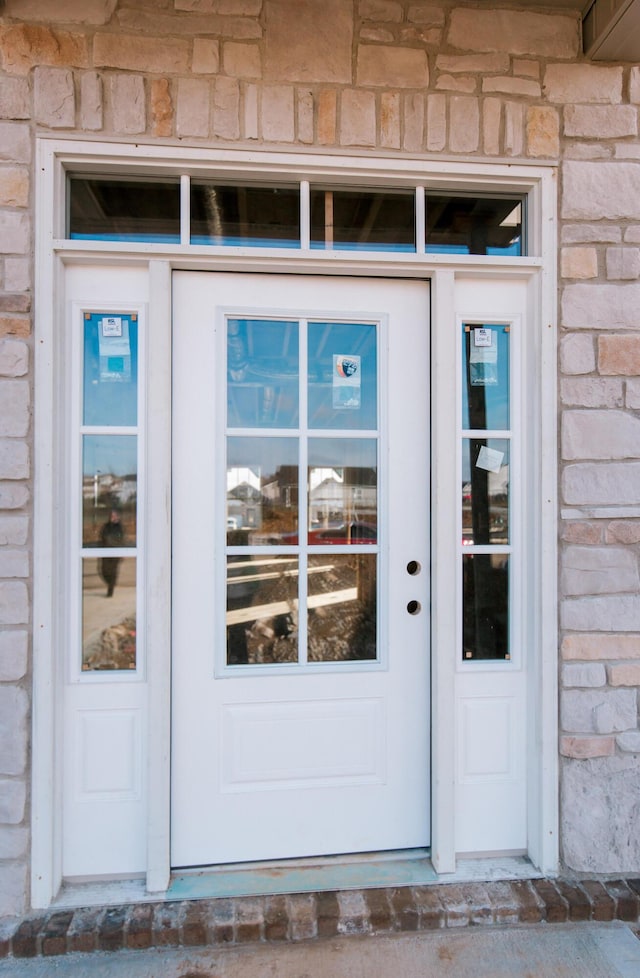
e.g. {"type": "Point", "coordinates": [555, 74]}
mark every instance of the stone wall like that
{"type": "Point", "coordinates": [401, 76]}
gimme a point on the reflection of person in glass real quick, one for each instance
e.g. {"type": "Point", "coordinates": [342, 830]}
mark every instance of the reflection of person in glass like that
{"type": "Point", "coordinates": [111, 535]}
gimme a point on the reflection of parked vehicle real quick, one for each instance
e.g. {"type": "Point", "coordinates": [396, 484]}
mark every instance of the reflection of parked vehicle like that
{"type": "Point", "coordinates": [346, 533]}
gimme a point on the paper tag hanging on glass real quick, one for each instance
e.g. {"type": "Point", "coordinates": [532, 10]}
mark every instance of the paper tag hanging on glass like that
{"type": "Point", "coordinates": [115, 349]}
{"type": "Point", "coordinates": [347, 381]}
{"type": "Point", "coordinates": [489, 459]}
{"type": "Point", "coordinates": [483, 358]}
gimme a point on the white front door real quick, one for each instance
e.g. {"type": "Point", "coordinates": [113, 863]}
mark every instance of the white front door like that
{"type": "Point", "coordinates": [301, 518]}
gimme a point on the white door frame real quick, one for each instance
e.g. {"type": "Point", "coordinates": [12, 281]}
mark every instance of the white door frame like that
{"type": "Point", "coordinates": [52, 254]}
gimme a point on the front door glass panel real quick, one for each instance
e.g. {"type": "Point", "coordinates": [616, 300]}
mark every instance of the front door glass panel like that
{"type": "Point", "coordinates": [301, 491]}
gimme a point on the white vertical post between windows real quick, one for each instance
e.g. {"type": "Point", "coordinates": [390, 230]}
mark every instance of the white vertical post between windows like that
{"type": "Point", "coordinates": [185, 209]}
{"type": "Point", "coordinates": [421, 221]}
{"type": "Point", "coordinates": [305, 215]}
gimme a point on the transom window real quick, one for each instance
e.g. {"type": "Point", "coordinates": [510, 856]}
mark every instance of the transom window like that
{"type": "Point", "coordinates": [299, 215]}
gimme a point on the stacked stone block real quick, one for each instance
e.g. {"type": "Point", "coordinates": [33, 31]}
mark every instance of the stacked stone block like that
{"type": "Point", "coordinates": [417, 77]}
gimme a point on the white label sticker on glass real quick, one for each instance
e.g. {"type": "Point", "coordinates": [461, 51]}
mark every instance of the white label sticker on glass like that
{"type": "Point", "coordinates": [489, 459]}
{"type": "Point", "coordinates": [112, 326]}
{"type": "Point", "coordinates": [115, 351]}
{"type": "Point", "coordinates": [483, 358]}
{"type": "Point", "coordinates": [482, 336]}
{"type": "Point", "coordinates": [347, 378]}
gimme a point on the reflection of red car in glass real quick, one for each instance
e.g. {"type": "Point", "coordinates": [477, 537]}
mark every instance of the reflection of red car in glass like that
{"type": "Point", "coordinates": [357, 533]}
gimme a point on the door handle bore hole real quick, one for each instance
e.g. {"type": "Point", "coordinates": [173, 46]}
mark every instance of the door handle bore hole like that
{"type": "Point", "coordinates": [413, 568]}
{"type": "Point", "coordinates": [414, 607]}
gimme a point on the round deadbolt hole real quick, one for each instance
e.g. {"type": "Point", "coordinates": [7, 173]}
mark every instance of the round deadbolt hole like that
{"type": "Point", "coordinates": [414, 607]}
{"type": "Point", "coordinates": [413, 568]}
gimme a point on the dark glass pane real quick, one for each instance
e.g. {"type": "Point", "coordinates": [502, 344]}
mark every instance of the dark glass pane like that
{"type": "Point", "coordinates": [109, 490]}
{"type": "Point", "coordinates": [379, 220]}
{"type": "Point", "coordinates": [257, 216]}
{"type": "Point", "coordinates": [110, 369]}
{"type": "Point", "coordinates": [485, 491]}
{"type": "Point", "coordinates": [485, 584]}
{"type": "Point", "coordinates": [467, 225]}
{"type": "Point", "coordinates": [262, 491]}
{"type": "Point", "coordinates": [343, 491]}
{"type": "Point", "coordinates": [108, 613]}
{"type": "Point", "coordinates": [485, 371]}
{"type": "Point", "coordinates": [343, 376]}
{"type": "Point", "coordinates": [262, 373]}
{"type": "Point", "coordinates": [262, 609]}
{"type": "Point", "coordinates": [342, 607]}
{"type": "Point", "coordinates": [124, 210]}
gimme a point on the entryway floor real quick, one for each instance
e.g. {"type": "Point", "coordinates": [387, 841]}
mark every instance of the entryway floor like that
{"type": "Point", "coordinates": [587, 950]}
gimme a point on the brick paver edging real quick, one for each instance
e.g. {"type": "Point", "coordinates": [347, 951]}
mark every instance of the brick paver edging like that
{"type": "Point", "coordinates": [298, 917]}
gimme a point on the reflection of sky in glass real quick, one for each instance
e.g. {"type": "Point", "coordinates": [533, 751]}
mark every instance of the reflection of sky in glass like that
{"type": "Point", "coordinates": [356, 453]}
{"type": "Point", "coordinates": [490, 401]}
{"type": "Point", "coordinates": [110, 454]}
{"type": "Point", "coordinates": [263, 457]}
{"type": "Point", "coordinates": [110, 370]}
{"type": "Point", "coordinates": [262, 373]}
{"type": "Point", "coordinates": [338, 399]}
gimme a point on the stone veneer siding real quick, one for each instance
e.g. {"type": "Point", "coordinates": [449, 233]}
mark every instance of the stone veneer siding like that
{"type": "Point", "coordinates": [396, 76]}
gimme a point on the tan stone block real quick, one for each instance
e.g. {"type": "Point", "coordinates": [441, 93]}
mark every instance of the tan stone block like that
{"type": "Point", "coordinates": [390, 120]}
{"type": "Point", "coordinates": [376, 34]}
{"type": "Point", "coordinates": [278, 124]}
{"type": "Point", "coordinates": [543, 131]}
{"type": "Point", "coordinates": [357, 118]}
{"type": "Point", "coordinates": [582, 532]}
{"type": "Point", "coordinates": [193, 107]}
{"type": "Point", "coordinates": [596, 392]}
{"type": "Point", "coordinates": [327, 116]}
{"type": "Point", "coordinates": [619, 355]}
{"type": "Point", "coordinates": [623, 531]}
{"type": "Point", "coordinates": [586, 233]}
{"type": "Point", "coordinates": [577, 355]}
{"type": "Point", "coordinates": [624, 674]}
{"type": "Point", "coordinates": [319, 53]}
{"type": "Point", "coordinates": [392, 67]}
{"type": "Point", "coordinates": [15, 231]}
{"type": "Point", "coordinates": [22, 46]}
{"type": "Point", "coordinates": [491, 117]}
{"type": "Point", "coordinates": [587, 151]}
{"type": "Point", "coordinates": [198, 23]}
{"type": "Point", "coordinates": [528, 69]}
{"type": "Point", "coordinates": [90, 12]}
{"type": "Point", "coordinates": [484, 64]}
{"type": "Point", "coordinates": [91, 107]}
{"type": "Point", "coordinates": [241, 60]}
{"type": "Point", "coordinates": [593, 647]}
{"type": "Point", "coordinates": [513, 128]}
{"type": "Point", "coordinates": [579, 263]}
{"type": "Point", "coordinates": [15, 326]}
{"type": "Point", "coordinates": [519, 32]}
{"type": "Point", "coordinates": [161, 107]}
{"type": "Point", "coordinates": [17, 274]}
{"type": "Point", "coordinates": [54, 98]}
{"type": "Point", "coordinates": [249, 8]}
{"type": "Point", "coordinates": [127, 103]}
{"type": "Point", "coordinates": [633, 394]}
{"type": "Point", "coordinates": [595, 306]}
{"type": "Point", "coordinates": [14, 187]}
{"type": "Point", "coordinates": [425, 13]}
{"type": "Point", "coordinates": [583, 83]}
{"type": "Point", "coordinates": [158, 55]}
{"type": "Point", "coordinates": [623, 263]}
{"type": "Point", "coordinates": [206, 56]}
{"type": "Point", "coordinates": [464, 124]}
{"type": "Point", "coordinates": [600, 121]}
{"type": "Point", "coordinates": [634, 85]}
{"type": "Point", "coordinates": [250, 112]}
{"type": "Point", "coordinates": [305, 116]}
{"type": "Point", "coordinates": [626, 151]}
{"type": "Point", "coordinates": [226, 108]}
{"type": "Point", "coordinates": [382, 10]}
{"type": "Point", "coordinates": [511, 86]}
{"type": "Point", "coordinates": [414, 117]}
{"type": "Point", "coordinates": [600, 435]}
{"type": "Point", "coordinates": [456, 83]}
{"type": "Point", "coordinates": [14, 98]}
{"type": "Point", "coordinates": [583, 748]}
{"type": "Point", "coordinates": [421, 35]}
{"type": "Point", "coordinates": [436, 122]}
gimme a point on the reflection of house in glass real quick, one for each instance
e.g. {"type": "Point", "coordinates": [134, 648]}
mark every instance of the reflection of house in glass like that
{"type": "Point", "coordinates": [342, 495]}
